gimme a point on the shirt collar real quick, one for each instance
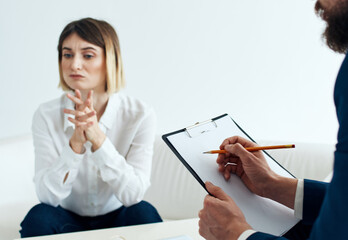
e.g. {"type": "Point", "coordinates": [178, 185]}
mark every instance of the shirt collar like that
{"type": "Point", "coordinates": [109, 116]}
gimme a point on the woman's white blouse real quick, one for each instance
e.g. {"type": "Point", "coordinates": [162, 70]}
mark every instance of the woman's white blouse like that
{"type": "Point", "coordinates": [117, 174]}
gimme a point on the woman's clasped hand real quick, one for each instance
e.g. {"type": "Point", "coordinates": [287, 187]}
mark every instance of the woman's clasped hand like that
{"type": "Point", "coordinates": [85, 121]}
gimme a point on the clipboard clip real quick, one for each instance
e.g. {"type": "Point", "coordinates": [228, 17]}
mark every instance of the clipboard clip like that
{"type": "Point", "coordinates": [201, 128]}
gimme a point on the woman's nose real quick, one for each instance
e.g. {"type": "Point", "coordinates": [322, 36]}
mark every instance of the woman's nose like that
{"type": "Point", "coordinates": [76, 63]}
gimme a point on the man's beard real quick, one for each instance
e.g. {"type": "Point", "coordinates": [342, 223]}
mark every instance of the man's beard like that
{"type": "Point", "coordinates": [336, 32]}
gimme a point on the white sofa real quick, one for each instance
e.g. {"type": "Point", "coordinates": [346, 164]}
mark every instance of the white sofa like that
{"type": "Point", "coordinates": [174, 192]}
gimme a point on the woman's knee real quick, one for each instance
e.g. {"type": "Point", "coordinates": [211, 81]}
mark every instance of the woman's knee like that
{"type": "Point", "coordinates": [145, 213]}
{"type": "Point", "coordinates": [37, 221]}
{"type": "Point", "coordinates": [39, 212]}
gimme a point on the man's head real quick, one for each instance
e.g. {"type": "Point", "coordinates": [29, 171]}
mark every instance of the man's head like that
{"type": "Point", "coordinates": [335, 14]}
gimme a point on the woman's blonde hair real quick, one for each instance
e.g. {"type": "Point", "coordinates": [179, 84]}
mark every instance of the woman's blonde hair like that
{"type": "Point", "coordinates": [103, 35]}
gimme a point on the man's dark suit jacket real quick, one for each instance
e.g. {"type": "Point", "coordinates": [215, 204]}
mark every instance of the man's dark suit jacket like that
{"type": "Point", "coordinates": [325, 206]}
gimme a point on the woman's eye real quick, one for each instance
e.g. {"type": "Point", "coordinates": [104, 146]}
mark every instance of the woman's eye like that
{"type": "Point", "coordinates": [67, 55]}
{"type": "Point", "coordinates": [88, 56]}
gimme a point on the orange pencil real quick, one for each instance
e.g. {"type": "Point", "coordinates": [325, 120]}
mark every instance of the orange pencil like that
{"type": "Point", "coordinates": [253, 149]}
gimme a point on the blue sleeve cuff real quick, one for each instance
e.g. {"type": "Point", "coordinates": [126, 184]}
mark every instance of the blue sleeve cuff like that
{"type": "Point", "coordinates": [314, 193]}
{"type": "Point", "coordinates": [264, 236]}
{"type": "Point", "coordinates": [246, 234]}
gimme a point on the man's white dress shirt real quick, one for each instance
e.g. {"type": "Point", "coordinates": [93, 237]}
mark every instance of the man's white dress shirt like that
{"type": "Point", "coordinates": [116, 174]}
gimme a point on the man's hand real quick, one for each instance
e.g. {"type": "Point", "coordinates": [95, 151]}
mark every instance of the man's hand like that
{"type": "Point", "coordinates": [251, 167]}
{"type": "Point", "coordinates": [254, 171]}
{"type": "Point", "coordinates": [220, 217]}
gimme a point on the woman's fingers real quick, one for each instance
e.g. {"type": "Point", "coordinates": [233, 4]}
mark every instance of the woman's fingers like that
{"type": "Point", "coordinates": [89, 101]}
{"type": "Point", "coordinates": [82, 125]}
{"type": "Point", "coordinates": [73, 112]}
{"type": "Point", "coordinates": [80, 104]}
{"type": "Point", "coordinates": [86, 116]}
{"type": "Point", "coordinates": [79, 116]}
{"type": "Point", "coordinates": [76, 100]}
{"type": "Point", "coordinates": [78, 94]}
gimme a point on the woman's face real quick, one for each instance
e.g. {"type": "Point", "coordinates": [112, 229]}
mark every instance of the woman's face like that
{"type": "Point", "coordinates": [83, 64]}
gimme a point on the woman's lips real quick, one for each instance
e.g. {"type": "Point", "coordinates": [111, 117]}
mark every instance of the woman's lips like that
{"type": "Point", "coordinates": [76, 76]}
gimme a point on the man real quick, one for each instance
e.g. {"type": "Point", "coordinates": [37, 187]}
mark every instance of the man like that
{"type": "Point", "coordinates": [322, 207]}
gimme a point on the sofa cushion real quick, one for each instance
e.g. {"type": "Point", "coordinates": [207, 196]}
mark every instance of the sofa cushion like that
{"type": "Point", "coordinates": [174, 191]}
{"type": "Point", "coordinates": [306, 160]}
{"type": "Point", "coordinates": [17, 184]}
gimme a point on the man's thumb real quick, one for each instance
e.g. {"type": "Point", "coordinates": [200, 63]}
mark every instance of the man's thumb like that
{"type": "Point", "coordinates": [216, 191]}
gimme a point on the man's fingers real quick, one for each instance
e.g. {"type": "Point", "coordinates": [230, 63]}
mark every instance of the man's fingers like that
{"type": "Point", "coordinates": [216, 191]}
{"type": "Point", "coordinates": [230, 140]}
{"type": "Point", "coordinates": [238, 139]}
{"type": "Point", "coordinates": [203, 229]}
{"type": "Point", "coordinates": [236, 149]}
{"type": "Point", "coordinates": [229, 168]}
{"type": "Point", "coordinates": [225, 142]}
{"type": "Point", "coordinates": [227, 173]}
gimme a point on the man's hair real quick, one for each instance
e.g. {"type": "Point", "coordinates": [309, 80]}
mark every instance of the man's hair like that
{"type": "Point", "coordinates": [336, 31]}
{"type": "Point", "coordinates": [103, 35]}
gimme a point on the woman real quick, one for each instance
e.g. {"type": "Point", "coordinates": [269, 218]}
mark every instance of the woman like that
{"type": "Point", "coordinates": [93, 146]}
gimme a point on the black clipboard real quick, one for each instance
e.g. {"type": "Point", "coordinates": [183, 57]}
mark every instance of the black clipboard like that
{"type": "Point", "coordinates": [215, 127]}
{"type": "Point", "coordinates": [191, 170]}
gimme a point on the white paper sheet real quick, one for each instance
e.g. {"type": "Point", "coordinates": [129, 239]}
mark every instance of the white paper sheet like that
{"type": "Point", "coordinates": [262, 214]}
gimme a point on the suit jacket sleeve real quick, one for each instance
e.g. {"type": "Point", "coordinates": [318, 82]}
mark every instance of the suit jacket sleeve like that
{"type": "Point", "coordinates": [264, 236]}
{"type": "Point", "coordinates": [332, 220]}
{"type": "Point", "coordinates": [314, 193]}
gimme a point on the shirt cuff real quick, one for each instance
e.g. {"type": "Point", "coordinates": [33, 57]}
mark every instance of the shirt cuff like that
{"type": "Point", "coordinates": [106, 154]}
{"type": "Point", "coordinates": [71, 158]}
{"type": "Point", "coordinates": [299, 199]}
{"type": "Point", "coordinates": [246, 234]}
{"type": "Point", "coordinates": [110, 162]}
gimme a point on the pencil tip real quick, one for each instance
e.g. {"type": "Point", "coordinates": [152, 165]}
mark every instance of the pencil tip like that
{"type": "Point", "coordinates": [205, 152]}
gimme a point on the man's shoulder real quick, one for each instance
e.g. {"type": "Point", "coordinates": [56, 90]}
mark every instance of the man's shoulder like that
{"type": "Point", "coordinates": [342, 74]}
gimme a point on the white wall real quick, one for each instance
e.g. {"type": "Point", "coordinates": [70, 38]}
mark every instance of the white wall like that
{"type": "Point", "coordinates": [263, 62]}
